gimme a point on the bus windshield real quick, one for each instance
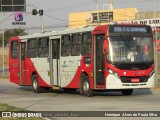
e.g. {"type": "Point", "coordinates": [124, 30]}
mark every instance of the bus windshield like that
{"type": "Point", "coordinates": [130, 49]}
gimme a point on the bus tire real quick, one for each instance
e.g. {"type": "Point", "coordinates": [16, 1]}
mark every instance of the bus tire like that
{"type": "Point", "coordinates": [36, 88]}
{"type": "Point", "coordinates": [127, 91]}
{"type": "Point", "coordinates": [45, 89]}
{"type": "Point", "coordinates": [86, 88]}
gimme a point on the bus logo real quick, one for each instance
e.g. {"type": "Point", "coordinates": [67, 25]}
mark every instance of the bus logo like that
{"type": "Point", "coordinates": [64, 64]}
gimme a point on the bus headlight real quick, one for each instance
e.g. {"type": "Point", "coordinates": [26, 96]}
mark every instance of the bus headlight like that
{"type": "Point", "coordinates": [110, 71]}
{"type": "Point", "coordinates": [113, 73]}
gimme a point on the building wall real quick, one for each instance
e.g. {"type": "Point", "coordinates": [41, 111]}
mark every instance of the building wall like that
{"type": "Point", "coordinates": [77, 20]}
{"type": "Point", "coordinates": [147, 15]}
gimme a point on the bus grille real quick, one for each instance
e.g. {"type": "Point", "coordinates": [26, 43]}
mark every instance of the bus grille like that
{"type": "Point", "coordinates": [128, 79]}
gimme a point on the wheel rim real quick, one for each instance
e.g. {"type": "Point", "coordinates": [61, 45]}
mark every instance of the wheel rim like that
{"type": "Point", "coordinates": [35, 84]}
{"type": "Point", "coordinates": [85, 86]}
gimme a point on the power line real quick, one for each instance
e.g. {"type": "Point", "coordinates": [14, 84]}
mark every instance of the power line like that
{"type": "Point", "coordinates": [62, 19]}
{"type": "Point", "coordinates": [55, 18]}
{"type": "Point", "coordinates": [39, 27]}
{"type": "Point", "coordinates": [73, 6]}
{"type": "Point", "coordinates": [78, 5]}
{"type": "Point", "coordinates": [5, 19]}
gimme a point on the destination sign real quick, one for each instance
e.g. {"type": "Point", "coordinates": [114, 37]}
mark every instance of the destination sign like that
{"type": "Point", "coordinates": [128, 29]}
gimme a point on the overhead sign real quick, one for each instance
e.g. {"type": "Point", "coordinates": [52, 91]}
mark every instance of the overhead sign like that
{"type": "Point", "coordinates": [12, 5]}
{"type": "Point", "coordinates": [152, 22]}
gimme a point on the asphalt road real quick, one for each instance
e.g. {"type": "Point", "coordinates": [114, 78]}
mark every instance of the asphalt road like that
{"type": "Point", "coordinates": [23, 97]}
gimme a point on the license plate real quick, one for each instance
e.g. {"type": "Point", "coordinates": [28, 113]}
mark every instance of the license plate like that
{"type": "Point", "coordinates": [134, 80]}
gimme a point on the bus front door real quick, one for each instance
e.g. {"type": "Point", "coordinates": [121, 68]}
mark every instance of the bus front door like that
{"type": "Point", "coordinates": [22, 62]}
{"type": "Point", "coordinates": [55, 56]}
{"type": "Point", "coordinates": [98, 60]}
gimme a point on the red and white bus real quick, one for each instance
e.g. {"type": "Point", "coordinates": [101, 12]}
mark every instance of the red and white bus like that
{"type": "Point", "coordinates": [109, 57]}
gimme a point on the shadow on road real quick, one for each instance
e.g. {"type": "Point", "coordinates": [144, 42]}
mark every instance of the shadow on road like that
{"type": "Point", "coordinates": [97, 93]}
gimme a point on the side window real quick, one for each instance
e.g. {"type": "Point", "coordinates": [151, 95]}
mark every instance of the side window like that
{"type": "Point", "coordinates": [55, 49]}
{"type": "Point", "coordinates": [14, 49]}
{"type": "Point", "coordinates": [43, 50]}
{"type": "Point", "coordinates": [32, 46]}
{"type": "Point", "coordinates": [75, 44]}
{"type": "Point", "coordinates": [23, 50]}
{"type": "Point", "coordinates": [65, 45]}
{"type": "Point", "coordinates": [86, 43]}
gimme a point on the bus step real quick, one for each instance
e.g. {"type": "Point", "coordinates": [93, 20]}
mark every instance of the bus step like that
{"type": "Point", "coordinates": [55, 87]}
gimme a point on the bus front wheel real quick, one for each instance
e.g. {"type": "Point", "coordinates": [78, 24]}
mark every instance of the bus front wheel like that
{"type": "Point", "coordinates": [127, 91]}
{"type": "Point", "coordinates": [86, 88]}
{"type": "Point", "coordinates": [36, 88]}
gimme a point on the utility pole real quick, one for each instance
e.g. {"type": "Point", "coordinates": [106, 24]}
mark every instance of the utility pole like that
{"type": "Point", "coordinates": [97, 12]}
{"type": "Point", "coordinates": [155, 48]}
{"type": "Point", "coordinates": [111, 4]}
{"type": "Point", "coordinates": [42, 27]}
{"type": "Point", "coordinates": [3, 42]}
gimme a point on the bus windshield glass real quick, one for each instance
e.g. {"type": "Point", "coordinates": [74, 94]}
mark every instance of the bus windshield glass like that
{"type": "Point", "coordinates": [130, 49]}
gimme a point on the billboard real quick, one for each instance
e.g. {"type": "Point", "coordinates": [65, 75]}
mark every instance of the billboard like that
{"type": "Point", "coordinates": [12, 5]}
{"type": "Point", "coordinates": [103, 17]}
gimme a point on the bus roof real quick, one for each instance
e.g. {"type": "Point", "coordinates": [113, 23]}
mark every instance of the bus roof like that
{"type": "Point", "coordinates": [57, 33]}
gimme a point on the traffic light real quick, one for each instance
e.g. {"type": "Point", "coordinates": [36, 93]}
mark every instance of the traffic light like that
{"type": "Point", "coordinates": [41, 12]}
{"type": "Point", "coordinates": [37, 12]}
{"type": "Point", "coordinates": [34, 12]}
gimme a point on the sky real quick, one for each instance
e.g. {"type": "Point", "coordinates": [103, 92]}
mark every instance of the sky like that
{"type": "Point", "coordinates": [56, 12]}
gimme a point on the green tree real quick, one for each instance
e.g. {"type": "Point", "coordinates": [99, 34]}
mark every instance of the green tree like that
{"type": "Point", "coordinates": [11, 33]}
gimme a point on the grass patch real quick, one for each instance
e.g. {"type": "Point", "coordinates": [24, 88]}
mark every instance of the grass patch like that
{"type": "Point", "coordinates": [6, 108]}
{"type": "Point", "coordinates": [4, 77]}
